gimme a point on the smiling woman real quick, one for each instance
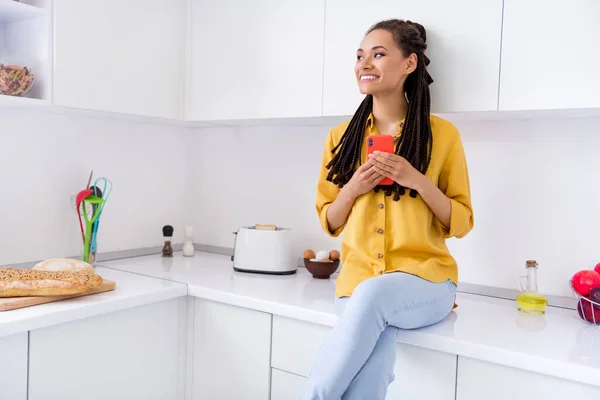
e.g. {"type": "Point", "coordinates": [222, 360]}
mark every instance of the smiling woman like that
{"type": "Point", "coordinates": [397, 272]}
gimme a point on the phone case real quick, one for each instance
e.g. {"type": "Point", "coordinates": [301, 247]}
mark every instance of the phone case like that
{"type": "Point", "coordinates": [383, 143]}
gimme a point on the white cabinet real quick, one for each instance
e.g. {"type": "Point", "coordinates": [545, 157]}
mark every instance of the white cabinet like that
{"type": "Point", "coordinates": [481, 380]}
{"type": "Point", "coordinates": [231, 356]}
{"type": "Point", "coordinates": [550, 54]}
{"type": "Point", "coordinates": [463, 39]}
{"type": "Point", "coordinates": [255, 59]}
{"type": "Point", "coordinates": [129, 354]}
{"type": "Point", "coordinates": [420, 373]}
{"type": "Point", "coordinates": [286, 386]}
{"type": "Point", "coordinates": [120, 56]}
{"type": "Point", "coordinates": [13, 367]}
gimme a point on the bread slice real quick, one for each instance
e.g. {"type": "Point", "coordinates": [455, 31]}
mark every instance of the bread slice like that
{"type": "Point", "coordinates": [25, 282]}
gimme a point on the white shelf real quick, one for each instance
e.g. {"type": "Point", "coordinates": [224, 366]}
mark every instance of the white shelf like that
{"type": "Point", "coordinates": [11, 11]}
{"type": "Point", "coordinates": [21, 102]}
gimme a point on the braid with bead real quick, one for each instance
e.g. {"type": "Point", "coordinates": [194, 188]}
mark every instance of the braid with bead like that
{"type": "Point", "coordinates": [416, 141]}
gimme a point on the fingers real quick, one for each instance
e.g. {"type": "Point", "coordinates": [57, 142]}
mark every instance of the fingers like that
{"type": "Point", "coordinates": [383, 169]}
{"type": "Point", "coordinates": [390, 160]}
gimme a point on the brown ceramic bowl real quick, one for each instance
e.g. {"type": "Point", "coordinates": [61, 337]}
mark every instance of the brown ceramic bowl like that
{"type": "Point", "coordinates": [321, 270]}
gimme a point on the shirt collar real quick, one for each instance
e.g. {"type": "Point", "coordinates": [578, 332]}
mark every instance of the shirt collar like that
{"type": "Point", "coordinates": [371, 125]}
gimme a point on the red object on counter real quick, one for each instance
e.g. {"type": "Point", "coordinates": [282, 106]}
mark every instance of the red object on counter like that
{"type": "Point", "coordinates": [584, 281]}
{"type": "Point", "coordinates": [597, 268]}
{"type": "Point", "coordinates": [588, 311]}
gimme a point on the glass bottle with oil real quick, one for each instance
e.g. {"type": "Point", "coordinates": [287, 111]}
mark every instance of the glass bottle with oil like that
{"type": "Point", "coordinates": [530, 300]}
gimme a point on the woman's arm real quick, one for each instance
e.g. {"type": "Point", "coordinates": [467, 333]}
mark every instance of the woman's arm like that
{"type": "Point", "coordinates": [437, 201]}
{"type": "Point", "coordinates": [338, 211]}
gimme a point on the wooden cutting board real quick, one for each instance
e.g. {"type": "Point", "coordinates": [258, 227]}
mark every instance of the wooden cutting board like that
{"type": "Point", "coordinates": [13, 303]}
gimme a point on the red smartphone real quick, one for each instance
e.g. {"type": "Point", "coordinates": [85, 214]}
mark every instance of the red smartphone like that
{"type": "Point", "coordinates": [384, 144]}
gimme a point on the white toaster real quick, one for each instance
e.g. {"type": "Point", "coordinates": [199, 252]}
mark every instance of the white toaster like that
{"type": "Point", "coordinates": [264, 249]}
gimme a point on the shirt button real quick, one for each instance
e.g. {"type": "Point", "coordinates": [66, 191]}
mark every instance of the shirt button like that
{"type": "Point", "coordinates": [380, 231]}
{"type": "Point", "coordinates": [380, 206]}
{"type": "Point", "coordinates": [379, 255]}
{"type": "Point", "coordinates": [380, 272]}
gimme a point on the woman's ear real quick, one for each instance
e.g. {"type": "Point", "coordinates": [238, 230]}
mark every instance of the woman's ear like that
{"type": "Point", "coordinates": [410, 64]}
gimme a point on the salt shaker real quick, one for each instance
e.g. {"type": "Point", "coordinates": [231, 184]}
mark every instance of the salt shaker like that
{"type": "Point", "coordinates": [167, 250]}
{"type": "Point", "coordinates": [188, 245]}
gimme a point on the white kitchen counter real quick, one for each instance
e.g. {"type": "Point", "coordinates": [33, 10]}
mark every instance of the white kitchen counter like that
{"type": "Point", "coordinates": [131, 291]}
{"type": "Point", "coordinates": [557, 344]}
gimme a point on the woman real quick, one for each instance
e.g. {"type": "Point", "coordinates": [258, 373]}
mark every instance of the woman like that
{"type": "Point", "coordinates": [397, 272]}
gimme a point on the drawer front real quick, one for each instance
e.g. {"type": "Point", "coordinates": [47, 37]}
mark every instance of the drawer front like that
{"type": "Point", "coordinates": [286, 386]}
{"type": "Point", "coordinates": [420, 373]}
{"type": "Point", "coordinates": [296, 344]}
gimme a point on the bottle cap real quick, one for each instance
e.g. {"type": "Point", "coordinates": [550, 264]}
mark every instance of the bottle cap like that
{"type": "Point", "coordinates": [531, 264]}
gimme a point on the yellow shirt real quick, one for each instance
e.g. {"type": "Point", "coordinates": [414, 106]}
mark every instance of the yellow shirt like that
{"type": "Point", "coordinates": [382, 235]}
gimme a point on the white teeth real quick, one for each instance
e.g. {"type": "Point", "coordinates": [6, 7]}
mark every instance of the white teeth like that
{"type": "Point", "coordinates": [368, 77]}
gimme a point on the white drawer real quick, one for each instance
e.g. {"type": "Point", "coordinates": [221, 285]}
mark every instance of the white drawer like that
{"type": "Point", "coordinates": [296, 344]}
{"type": "Point", "coordinates": [421, 373]}
{"type": "Point", "coordinates": [286, 386]}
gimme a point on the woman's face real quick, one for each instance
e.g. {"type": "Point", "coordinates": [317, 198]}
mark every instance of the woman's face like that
{"type": "Point", "coordinates": [381, 67]}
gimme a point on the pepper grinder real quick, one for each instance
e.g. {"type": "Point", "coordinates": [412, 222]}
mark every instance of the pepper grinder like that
{"type": "Point", "coordinates": [167, 250]}
{"type": "Point", "coordinates": [188, 245]}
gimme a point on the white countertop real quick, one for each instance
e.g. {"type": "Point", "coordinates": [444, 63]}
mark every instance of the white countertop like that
{"type": "Point", "coordinates": [131, 291]}
{"type": "Point", "coordinates": [558, 343]}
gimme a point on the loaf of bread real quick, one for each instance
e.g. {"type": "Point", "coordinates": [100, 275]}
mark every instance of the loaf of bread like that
{"type": "Point", "coordinates": [24, 282]}
{"type": "Point", "coordinates": [64, 264]}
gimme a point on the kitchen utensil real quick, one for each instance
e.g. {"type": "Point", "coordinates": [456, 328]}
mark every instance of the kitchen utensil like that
{"type": "Point", "coordinates": [92, 257]}
{"type": "Point", "coordinates": [78, 200]}
{"type": "Point", "coordinates": [265, 249]}
{"type": "Point", "coordinates": [13, 303]}
{"type": "Point", "coordinates": [89, 180]}
{"type": "Point", "coordinates": [103, 193]}
{"type": "Point", "coordinates": [89, 221]}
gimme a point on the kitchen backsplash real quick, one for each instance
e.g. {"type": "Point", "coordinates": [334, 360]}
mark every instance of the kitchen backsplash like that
{"type": "Point", "coordinates": [534, 186]}
{"type": "Point", "coordinates": [45, 158]}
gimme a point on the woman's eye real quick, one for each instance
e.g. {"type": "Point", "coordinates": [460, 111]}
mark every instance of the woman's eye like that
{"type": "Point", "coordinates": [359, 57]}
{"type": "Point", "coordinates": [379, 54]}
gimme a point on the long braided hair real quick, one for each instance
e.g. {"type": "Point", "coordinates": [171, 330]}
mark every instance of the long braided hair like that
{"type": "Point", "coordinates": [416, 141]}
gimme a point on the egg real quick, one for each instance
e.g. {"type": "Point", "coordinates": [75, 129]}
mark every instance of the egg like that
{"type": "Point", "coordinates": [326, 260]}
{"type": "Point", "coordinates": [309, 254]}
{"type": "Point", "coordinates": [334, 255]}
{"type": "Point", "coordinates": [321, 255]}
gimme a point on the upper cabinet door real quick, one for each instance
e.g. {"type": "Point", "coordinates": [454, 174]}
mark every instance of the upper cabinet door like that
{"type": "Point", "coordinates": [550, 54]}
{"type": "Point", "coordinates": [120, 56]}
{"type": "Point", "coordinates": [463, 38]}
{"type": "Point", "coordinates": [255, 59]}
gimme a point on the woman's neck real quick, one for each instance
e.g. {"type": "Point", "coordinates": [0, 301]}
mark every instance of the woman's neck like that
{"type": "Point", "coordinates": [388, 111]}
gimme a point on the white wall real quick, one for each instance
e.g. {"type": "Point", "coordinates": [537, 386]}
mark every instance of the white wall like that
{"type": "Point", "coordinates": [534, 183]}
{"type": "Point", "coordinates": [45, 158]}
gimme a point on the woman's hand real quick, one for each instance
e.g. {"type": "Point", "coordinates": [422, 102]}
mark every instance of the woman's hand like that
{"type": "Point", "coordinates": [364, 179]}
{"type": "Point", "coordinates": [397, 168]}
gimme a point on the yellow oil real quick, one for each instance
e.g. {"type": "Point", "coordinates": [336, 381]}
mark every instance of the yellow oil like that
{"type": "Point", "coordinates": [533, 303]}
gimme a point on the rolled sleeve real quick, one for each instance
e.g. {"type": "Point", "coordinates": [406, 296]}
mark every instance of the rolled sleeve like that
{"type": "Point", "coordinates": [326, 191]}
{"type": "Point", "coordinates": [454, 183]}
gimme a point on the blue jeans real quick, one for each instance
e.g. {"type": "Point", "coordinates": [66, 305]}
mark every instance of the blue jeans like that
{"type": "Point", "coordinates": [357, 359]}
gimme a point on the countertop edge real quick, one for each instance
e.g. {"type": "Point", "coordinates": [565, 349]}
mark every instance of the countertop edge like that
{"type": "Point", "coordinates": [90, 310]}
